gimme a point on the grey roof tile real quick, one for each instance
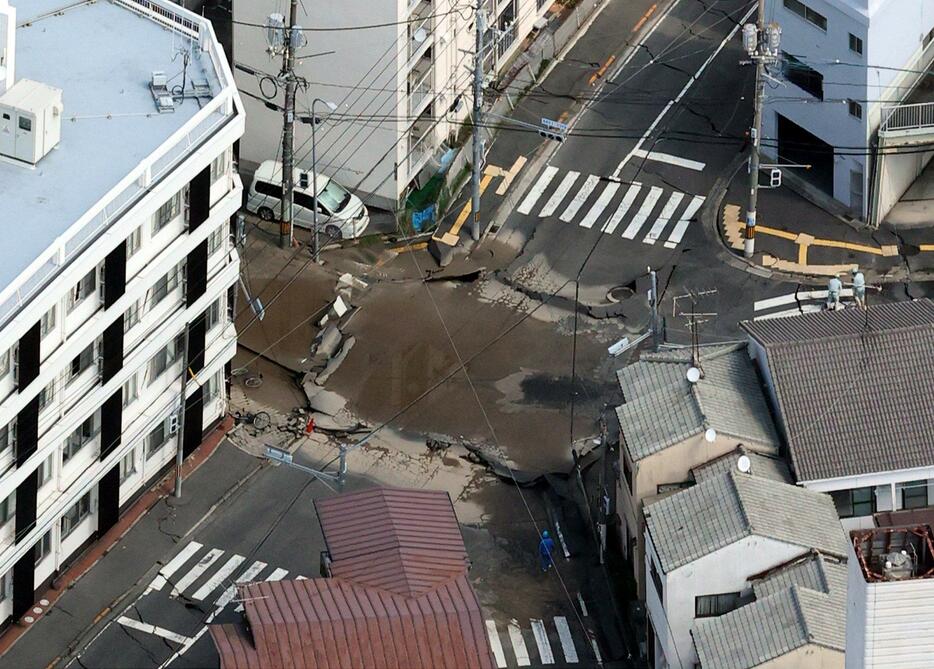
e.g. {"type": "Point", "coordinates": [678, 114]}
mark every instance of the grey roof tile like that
{"type": "Point", "coordinates": [854, 400]}
{"type": "Point", "coordinates": [721, 510]}
{"type": "Point", "coordinates": [764, 466]}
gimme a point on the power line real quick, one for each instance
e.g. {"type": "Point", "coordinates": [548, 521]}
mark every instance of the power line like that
{"type": "Point", "coordinates": [368, 26]}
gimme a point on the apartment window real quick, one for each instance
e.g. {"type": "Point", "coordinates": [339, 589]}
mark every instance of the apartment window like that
{"type": "Point", "coordinates": [914, 494]}
{"type": "Point", "coordinates": [212, 387]}
{"type": "Point", "coordinates": [707, 606]}
{"type": "Point", "coordinates": [162, 360]}
{"type": "Point", "coordinates": [657, 580]}
{"type": "Point", "coordinates": [213, 315]}
{"type": "Point", "coordinates": [127, 466]}
{"type": "Point", "coordinates": [83, 289]}
{"type": "Point", "coordinates": [164, 286]}
{"type": "Point", "coordinates": [47, 395]}
{"type": "Point", "coordinates": [81, 362]}
{"type": "Point", "coordinates": [157, 439]}
{"type": "Point", "coordinates": [80, 437]}
{"type": "Point", "coordinates": [8, 509]}
{"type": "Point", "coordinates": [76, 514]}
{"type": "Point", "coordinates": [215, 240]}
{"type": "Point", "coordinates": [855, 502]}
{"type": "Point", "coordinates": [45, 472]}
{"type": "Point", "coordinates": [806, 13]}
{"type": "Point", "coordinates": [43, 547]}
{"type": "Point", "coordinates": [134, 241]}
{"type": "Point", "coordinates": [856, 44]}
{"type": "Point", "coordinates": [4, 363]}
{"type": "Point", "coordinates": [47, 324]}
{"type": "Point", "coordinates": [7, 436]}
{"type": "Point", "coordinates": [219, 166]}
{"type": "Point", "coordinates": [806, 78]}
{"type": "Point", "coordinates": [131, 315]}
{"type": "Point", "coordinates": [167, 212]}
{"type": "Point", "coordinates": [6, 585]}
{"type": "Point", "coordinates": [130, 391]}
{"type": "Point", "coordinates": [856, 109]}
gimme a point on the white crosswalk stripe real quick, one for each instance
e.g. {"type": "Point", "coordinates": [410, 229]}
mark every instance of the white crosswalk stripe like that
{"type": "Point", "coordinates": [248, 575]}
{"type": "Point", "coordinates": [218, 578]}
{"type": "Point", "coordinates": [531, 198]}
{"type": "Point", "coordinates": [567, 641]}
{"type": "Point", "coordinates": [792, 304]}
{"type": "Point", "coordinates": [518, 644]}
{"type": "Point", "coordinates": [172, 566]}
{"type": "Point", "coordinates": [579, 198]}
{"type": "Point", "coordinates": [602, 201]}
{"type": "Point", "coordinates": [558, 196]}
{"type": "Point", "coordinates": [648, 204]}
{"type": "Point", "coordinates": [668, 212]}
{"type": "Point", "coordinates": [546, 634]}
{"type": "Point", "coordinates": [541, 640]}
{"type": "Point", "coordinates": [197, 571]}
{"type": "Point", "coordinates": [495, 644]}
{"type": "Point", "coordinates": [634, 207]}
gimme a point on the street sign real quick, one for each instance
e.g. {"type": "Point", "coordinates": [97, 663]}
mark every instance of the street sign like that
{"type": "Point", "coordinates": [278, 455]}
{"type": "Point", "coordinates": [555, 125]}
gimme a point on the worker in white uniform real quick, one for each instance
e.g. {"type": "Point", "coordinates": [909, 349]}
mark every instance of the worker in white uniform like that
{"type": "Point", "coordinates": [859, 287]}
{"type": "Point", "coordinates": [834, 286]}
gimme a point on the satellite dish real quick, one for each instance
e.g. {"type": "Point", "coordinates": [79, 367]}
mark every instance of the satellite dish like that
{"type": "Point", "coordinates": [693, 375]}
{"type": "Point", "coordinates": [420, 35]}
{"type": "Point", "coordinates": [710, 435]}
{"type": "Point", "coordinates": [744, 464]}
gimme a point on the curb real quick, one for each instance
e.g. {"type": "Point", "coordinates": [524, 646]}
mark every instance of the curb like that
{"type": "Point", "coordinates": [102, 546]}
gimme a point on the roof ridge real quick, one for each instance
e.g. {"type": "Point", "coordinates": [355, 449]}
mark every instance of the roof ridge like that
{"type": "Point", "coordinates": [799, 612]}
{"type": "Point", "coordinates": [742, 502]}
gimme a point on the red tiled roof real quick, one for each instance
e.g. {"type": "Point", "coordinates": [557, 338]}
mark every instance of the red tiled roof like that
{"type": "Point", "coordinates": [398, 595]}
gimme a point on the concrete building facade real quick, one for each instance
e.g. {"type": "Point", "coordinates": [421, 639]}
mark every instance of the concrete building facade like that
{"type": "Point", "coordinates": [119, 241]}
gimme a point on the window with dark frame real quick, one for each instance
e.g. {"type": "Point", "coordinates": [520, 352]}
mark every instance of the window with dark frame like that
{"type": "Point", "coordinates": [914, 494]}
{"type": "Point", "coordinates": [76, 514]}
{"type": "Point", "coordinates": [806, 13]}
{"type": "Point", "coordinates": [83, 289]}
{"type": "Point", "coordinates": [855, 108]}
{"type": "Point", "coordinates": [156, 439]}
{"type": "Point", "coordinates": [81, 362]}
{"type": "Point", "coordinates": [806, 78]}
{"type": "Point", "coordinates": [856, 44]}
{"type": "Point", "coordinates": [78, 439]}
{"type": "Point", "coordinates": [707, 606]}
{"type": "Point", "coordinates": [8, 436]}
{"type": "Point", "coordinates": [47, 323]}
{"type": "Point", "coordinates": [855, 502]}
{"type": "Point", "coordinates": [43, 547]}
{"type": "Point", "coordinates": [169, 210]}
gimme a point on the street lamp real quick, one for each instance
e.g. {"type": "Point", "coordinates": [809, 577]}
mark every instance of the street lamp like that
{"type": "Point", "coordinates": [314, 173]}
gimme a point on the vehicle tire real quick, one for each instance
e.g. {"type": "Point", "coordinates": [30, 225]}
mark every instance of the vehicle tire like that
{"type": "Point", "coordinates": [332, 233]}
{"type": "Point", "coordinates": [265, 213]}
{"type": "Point", "coordinates": [261, 420]}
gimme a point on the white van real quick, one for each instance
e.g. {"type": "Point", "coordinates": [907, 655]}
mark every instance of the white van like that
{"type": "Point", "coordinates": [341, 214]}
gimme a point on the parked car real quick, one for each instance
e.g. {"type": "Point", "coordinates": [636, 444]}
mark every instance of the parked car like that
{"type": "Point", "coordinates": [341, 214]}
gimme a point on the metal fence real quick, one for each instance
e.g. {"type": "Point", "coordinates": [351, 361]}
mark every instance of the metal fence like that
{"type": "Point", "coordinates": [908, 117]}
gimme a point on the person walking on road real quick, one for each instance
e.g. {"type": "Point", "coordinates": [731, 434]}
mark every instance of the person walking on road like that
{"type": "Point", "coordinates": [545, 548]}
{"type": "Point", "coordinates": [834, 286]}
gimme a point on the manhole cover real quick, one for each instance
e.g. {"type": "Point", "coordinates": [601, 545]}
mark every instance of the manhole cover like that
{"type": "Point", "coordinates": [619, 294]}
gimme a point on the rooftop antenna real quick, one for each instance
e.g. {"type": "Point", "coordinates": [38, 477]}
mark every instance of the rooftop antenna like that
{"type": "Point", "coordinates": [695, 318]}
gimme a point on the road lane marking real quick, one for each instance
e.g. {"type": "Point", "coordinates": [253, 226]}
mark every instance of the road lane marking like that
{"type": "Point", "coordinates": [559, 194]}
{"type": "Point", "coordinates": [195, 572]}
{"type": "Point", "coordinates": [510, 175]}
{"type": "Point", "coordinates": [610, 226]}
{"type": "Point", "coordinates": [599, 73]}
{"type": "Point", "coordinates": [675, 237]}
{"type": "Point", "coordinates": [643, 214]}
{"type": "Point", "coordinates": [645, 17]}
{"type": "Point", "coordinates": [567, 641]}
{"type": "Point", "coordinates": [278, 574]}
{"type": "Point", "coordinates": [531, 198]}
{"type": "Point", "coordinates": [602, 201]}
{"type": "Point", "coordinates": [596, 650]}
{"type": "Point", "coordinates": [579, 198]}
{"type": "Point", "coordinates": [668, 213]}
{"type": "Point", "coordinates": [172, 565]}
{"type": "Point", "coordinates": [495, 644]}
{"type": "Point", "coordinates": [218, 578]}
{"type": "Point", "coordinates": [801, 296]}
{"type": "Point", "coordinates": [541, 640]}
{"type": "Point", "coordinates": [152, 629]}
{"type": "Point", "coordinates": [660, 157]}
{"type": "Point", "coordinates": [518, 644]}
{"type": "Point", "coordinates": [687, 87]}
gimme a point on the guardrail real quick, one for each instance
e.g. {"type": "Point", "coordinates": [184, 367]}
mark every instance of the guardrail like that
{"type": "Point", "coordinates": [916, 116]}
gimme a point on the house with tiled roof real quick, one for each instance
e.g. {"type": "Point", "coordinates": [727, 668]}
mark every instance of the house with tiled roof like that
{"type": "Point", "coordinates": [853, 395]}
{"type": "Point", "coordinates": [670, 425]}
{"type": "Point", "coordinates": [706, 545]}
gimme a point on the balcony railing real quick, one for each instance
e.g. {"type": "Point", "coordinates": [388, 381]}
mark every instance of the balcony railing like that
{"type": "Point", "coordinates": [504, 40]}
{"type": "Point", "coordinates": [419, 150]}
{"type": "Point", "coordinates": [918, 116]}
{"type": "Point", "coordinates": [419, 34]}
{"type": "Point", "coordinates": [420, 92]}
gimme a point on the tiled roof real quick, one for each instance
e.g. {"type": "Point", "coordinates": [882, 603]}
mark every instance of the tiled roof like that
{"type": "Point", "coordinates": [764, 466]}
{"type": "Point", "coordinates": [662, 408]}
{"type": "Point", "coordinates": [855, 389]}
{"type": "Point", "coordinates": [800, 605]}
{"type": "Point", "coordinates": [398, 595]}
{"type": "Point", "coordinates": [720, 511]}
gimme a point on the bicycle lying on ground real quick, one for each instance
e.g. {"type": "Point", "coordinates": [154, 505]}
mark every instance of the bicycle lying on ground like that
{"type": "Point", "coordinates": [259, 420]}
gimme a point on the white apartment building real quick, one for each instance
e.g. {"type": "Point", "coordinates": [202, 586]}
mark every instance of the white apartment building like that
{"type": "Point", "coordinates": [118, 196]}
{"type": "Point", "coordinates": [845, 64]}
{"type": "Point", "coordinates": [402, 90]}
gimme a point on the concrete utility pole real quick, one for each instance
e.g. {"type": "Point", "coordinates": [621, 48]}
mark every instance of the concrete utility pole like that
{"type": "Point", "coordinates": [180, 453]}
{"type": "Point", "coordinates": [288, 130]}
{"type": "Point", "coordinates": [761, 43]}
{"type": "Point", "coordinates": [480, 24]}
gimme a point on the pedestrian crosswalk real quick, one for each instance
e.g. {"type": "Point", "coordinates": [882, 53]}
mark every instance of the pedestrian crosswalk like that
{"type": "Point", "coordinates": [537, 642]}
{"type": "Point", "coordinates": [649, 212]}
{"type": "Point", "coordinates": [792, 304]}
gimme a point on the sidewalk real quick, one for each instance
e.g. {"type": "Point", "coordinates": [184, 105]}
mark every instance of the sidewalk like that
{"type": "Point", "coordinates": [99, 580]}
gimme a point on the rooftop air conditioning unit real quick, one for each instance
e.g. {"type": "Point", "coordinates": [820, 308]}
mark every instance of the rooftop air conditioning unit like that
{"type": "Point", "coordinates": [30, 120]}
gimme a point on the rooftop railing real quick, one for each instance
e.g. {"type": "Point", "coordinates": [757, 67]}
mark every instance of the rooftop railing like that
{"type": "Point", "coordinates": [917, 116]}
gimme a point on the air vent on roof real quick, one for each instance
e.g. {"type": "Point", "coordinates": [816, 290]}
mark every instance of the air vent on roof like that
{"type": "Point", "coordinates": [159, 87]}
{"type": "Point", "coordinates": [30, 121]}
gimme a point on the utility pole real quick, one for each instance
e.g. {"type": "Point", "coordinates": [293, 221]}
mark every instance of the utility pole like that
{"type": "Point", "coordinates": [288, 129]}
{"type": "Point", "coordinates": [180, 453]}
{"type": "Point", "coordinates": [656, 339]}
{"type": "Point", "coordinates": [761, 43]}
{"type": "Point", "coordinates": [480, 24]}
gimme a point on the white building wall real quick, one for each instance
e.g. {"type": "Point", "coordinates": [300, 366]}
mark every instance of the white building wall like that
{"type": "Point", "coordinates": [725, 570]}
